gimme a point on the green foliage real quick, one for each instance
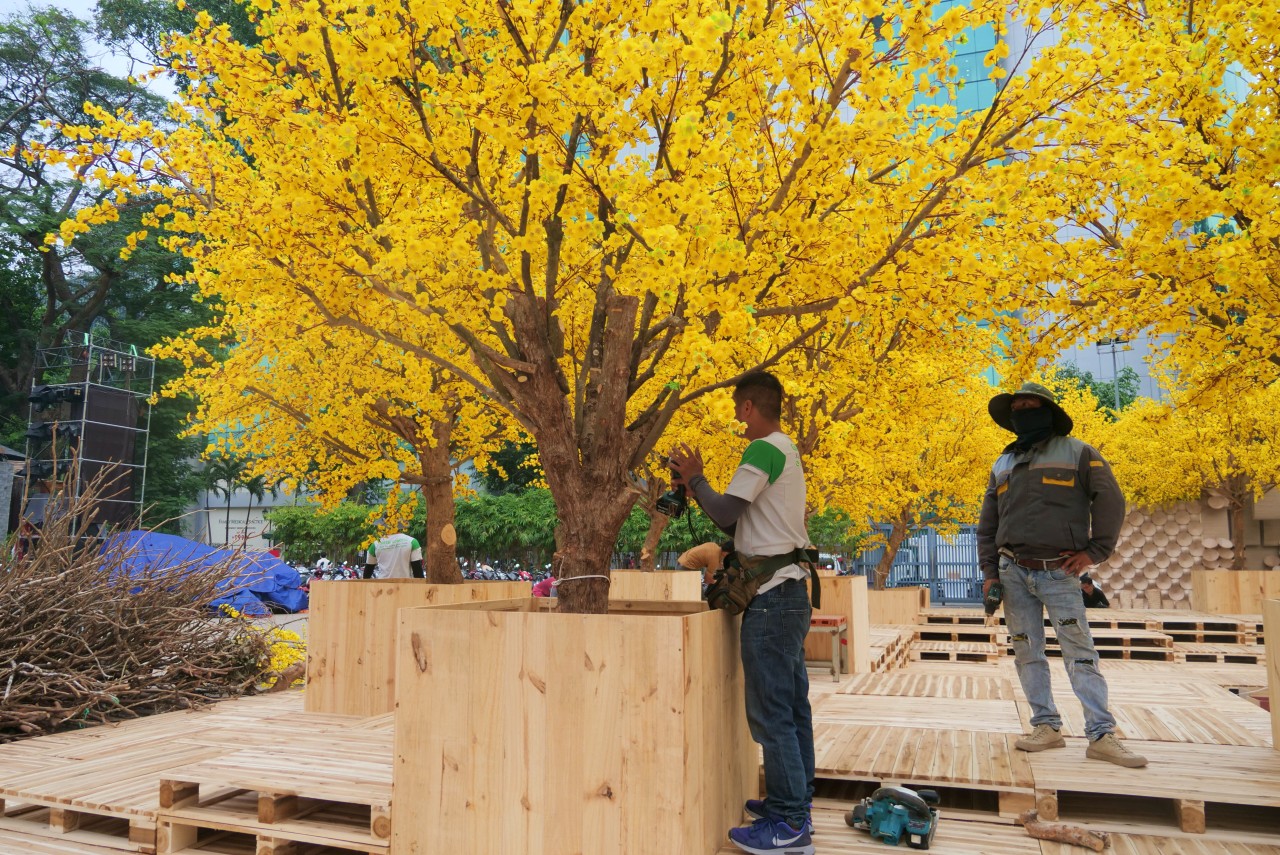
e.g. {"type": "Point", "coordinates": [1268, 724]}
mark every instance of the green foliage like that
{"type": "Point", "coordinates": [305, 532]}
{"type": "Point", "coordinates": [46, 76]}
{"type": "Point", "coordinates": [835, 531]}
{"type": "Point", "coordinates": [514, 468]}
{"type": "Point", "coordinates": [508, 525]}
{"type": "Point", "coordinates": [124, 23]}
{"type": "Point", "coordinates": [1105, 390]}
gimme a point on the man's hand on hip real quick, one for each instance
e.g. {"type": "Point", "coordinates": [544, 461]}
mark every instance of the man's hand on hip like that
{"type": "Point", "coordinates": [1076, 563]}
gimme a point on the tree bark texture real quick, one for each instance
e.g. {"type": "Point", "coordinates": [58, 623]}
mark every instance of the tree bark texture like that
{"type": "Point", "coordinates": [897, 536]}
{"type": "Point", "coordinates": [649, 552]}
{"type": "Point", "coordinates": [440, 555]}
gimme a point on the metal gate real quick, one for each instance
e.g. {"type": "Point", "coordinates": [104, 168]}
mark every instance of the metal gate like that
{"type": "Point", "coordinates": [947, 566]}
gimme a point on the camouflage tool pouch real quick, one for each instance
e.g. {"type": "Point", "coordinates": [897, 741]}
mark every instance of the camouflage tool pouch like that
{"type": "Point", "coordinates": [735, 584]}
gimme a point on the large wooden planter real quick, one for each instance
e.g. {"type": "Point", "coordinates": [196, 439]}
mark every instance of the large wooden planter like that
{"type": "Point", "coordinates": [658, 585]}
{"type": "Point", "coordinates": [1233, 592]}
{"type": "Point", "coordinates": [351, 637]}
{"type": "Point", "coordinates": [521, 730]}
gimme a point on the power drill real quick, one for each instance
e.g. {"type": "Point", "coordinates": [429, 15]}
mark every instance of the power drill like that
{"type": "Point", "coordinates": [992, 599]}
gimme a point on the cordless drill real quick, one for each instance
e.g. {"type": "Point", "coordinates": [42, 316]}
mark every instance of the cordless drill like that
{"type": "Point", "coordinates": [992, 599]}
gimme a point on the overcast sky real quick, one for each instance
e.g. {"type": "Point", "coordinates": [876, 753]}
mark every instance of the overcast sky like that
{"type": "Point", "coordinates": [117, 64]}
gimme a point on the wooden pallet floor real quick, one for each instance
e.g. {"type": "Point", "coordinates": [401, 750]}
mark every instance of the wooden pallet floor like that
{"type": "Point", "coordinates": [234, 790]}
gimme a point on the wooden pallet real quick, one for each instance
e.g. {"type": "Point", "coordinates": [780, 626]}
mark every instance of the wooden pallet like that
{"type": "Point", "coordinates": [1184, 778]}
{"type": "Point", "coordinates": [1137, 654]}
{"type": "Point", "coordinates": [321, 792]}
{"type": "Point", "coordinates": [950, 616]}
{"type": "Point", "coordinates": [890, 646]}
{"type": "Point", "coordinates": [1240, 654]}
{"type": "Point", "coordinates": [961, 632]}
{"type": "Point", "coordinates": [963, 759]}
{"type": "Point", "coordinates": [956, 651]}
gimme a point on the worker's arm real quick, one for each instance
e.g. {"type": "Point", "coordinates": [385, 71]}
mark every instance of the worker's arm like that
{"type": "Point", "coordinates": [368, 570]}
{"type": "Point", "coordinates": [988, 525]}
{"type": "Point", "coordinates": [416, 567]}
{"type": "Point", "coordinates": [720, 509]}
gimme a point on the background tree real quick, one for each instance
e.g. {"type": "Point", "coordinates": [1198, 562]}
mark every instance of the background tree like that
{"type": "Point", "coordinates": [1220, 442]}
{"type": "Point", "coordinates": [55, 295]}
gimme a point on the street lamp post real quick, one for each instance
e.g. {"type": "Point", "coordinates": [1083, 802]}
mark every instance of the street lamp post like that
{"type": "Point", "coordinates": [1113, 344]}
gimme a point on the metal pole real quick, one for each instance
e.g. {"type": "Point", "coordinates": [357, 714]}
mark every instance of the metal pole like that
{"type": "Point", "coordinates": [1115, 375]}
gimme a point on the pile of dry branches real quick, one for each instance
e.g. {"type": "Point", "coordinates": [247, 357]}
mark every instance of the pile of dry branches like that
{"type": "Point", "coordinates": [82, 642]}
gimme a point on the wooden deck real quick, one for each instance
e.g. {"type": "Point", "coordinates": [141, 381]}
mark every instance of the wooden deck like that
{"type": "Point", "coordinates": [259, 776]}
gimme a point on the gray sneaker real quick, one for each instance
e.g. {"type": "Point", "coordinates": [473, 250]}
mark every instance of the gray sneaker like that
{"type": "Point", "coordinates": [1108, 747]}
{"type": "Point", "coordinates": [1042, 738]}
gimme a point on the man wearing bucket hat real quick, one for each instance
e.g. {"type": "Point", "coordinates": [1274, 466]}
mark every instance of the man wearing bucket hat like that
{"type": "Point", "coordinates": [1052, 509]}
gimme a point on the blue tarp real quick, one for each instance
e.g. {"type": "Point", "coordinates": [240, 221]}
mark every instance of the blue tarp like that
{"type": "Point", "coordinates": [261, 579]}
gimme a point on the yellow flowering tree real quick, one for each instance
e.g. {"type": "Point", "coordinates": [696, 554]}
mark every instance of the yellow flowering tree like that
{"type": "Point", "coordinates": [583, 210]}
{"type": "Point", "coordinates": [1218, 442]}
{"type": "Point", "coordinates": [1174, 219]}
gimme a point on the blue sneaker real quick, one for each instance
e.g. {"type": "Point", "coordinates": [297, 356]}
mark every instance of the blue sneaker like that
{"type": "Point", "coordinates": [755, 810]}
{"type": "Point", "coordinates": [772, 837]}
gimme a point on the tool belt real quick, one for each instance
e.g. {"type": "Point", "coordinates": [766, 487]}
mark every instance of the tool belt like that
{"type": "Point", "coordinates": [736, 583]}
{"type": "Point", "coordinates": [1032, 563]}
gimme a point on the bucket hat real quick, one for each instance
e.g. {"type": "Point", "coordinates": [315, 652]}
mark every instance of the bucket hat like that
{"type": "Point", "coordinates": [1001, 408]}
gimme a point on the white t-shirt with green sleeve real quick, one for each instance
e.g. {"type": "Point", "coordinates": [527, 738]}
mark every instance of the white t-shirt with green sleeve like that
{"type": "Point", "coordinates": [771, 478]}
{"type": "Point", "coordinates": [392, 554]}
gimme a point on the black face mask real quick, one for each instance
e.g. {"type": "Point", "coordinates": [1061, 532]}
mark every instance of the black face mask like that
{"type": "Point", "coordinates": [1032, 425]}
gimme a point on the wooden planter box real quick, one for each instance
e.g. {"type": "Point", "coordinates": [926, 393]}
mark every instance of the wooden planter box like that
{"type": "Point", "coordinates": [1233, 592]}
{"type": "Point", "coordinates": [658, 585]}
{"type": "Point", "coordinates": [1271, 626]}
{"type": "Point", "coordinates": [351, 637]}
{"type": "Point", "coordinates": [897, 606]}
{"type": "Point", "coordinates": [847, 596]}
{"type": "Point", "coordinates": [521, 730]}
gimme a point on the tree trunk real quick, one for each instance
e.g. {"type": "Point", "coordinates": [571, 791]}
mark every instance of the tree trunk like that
{"type": "Point", "coordinates": [897, 535]}
{"type": "Point", "coordinates": [649, 552]}
{"type": "Point", "coordinates": [588, 529]}
{"type": "Point", "coordinates": [440, 540]}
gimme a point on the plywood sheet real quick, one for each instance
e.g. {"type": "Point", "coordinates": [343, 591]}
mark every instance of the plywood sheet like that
{"type": "Point", "coordinates": [1272, 618]}
{"type": "Point", "coordinates": [1148, 844]}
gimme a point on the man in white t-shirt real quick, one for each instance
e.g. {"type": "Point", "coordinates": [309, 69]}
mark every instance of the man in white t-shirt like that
{"type": "Point", "coordinates": [763, 509]}
{"type": "Point", "coordinates": [396, 556]}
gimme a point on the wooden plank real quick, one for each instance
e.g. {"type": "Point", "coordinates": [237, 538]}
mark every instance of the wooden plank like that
{"type": "Point", "coordinates": [1271, 616]}
{"type": "Point", "coordinates": [658, 585]}
{"type": "Point", "coordinates": [916, 685]}
{"type": "Point", "coordinates": [1154, 844]}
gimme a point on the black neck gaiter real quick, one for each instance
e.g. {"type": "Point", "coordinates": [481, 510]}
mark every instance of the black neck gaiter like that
{"type": "Point", "coordinates": [1032, 426]}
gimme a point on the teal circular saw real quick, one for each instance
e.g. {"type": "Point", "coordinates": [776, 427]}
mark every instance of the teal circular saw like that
{"type": "Point", "coordinates": [893, 814]}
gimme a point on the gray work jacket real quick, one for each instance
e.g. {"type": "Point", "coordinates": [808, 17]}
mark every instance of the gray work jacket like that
{"type": "Point", "coordinates": [1057, 496]}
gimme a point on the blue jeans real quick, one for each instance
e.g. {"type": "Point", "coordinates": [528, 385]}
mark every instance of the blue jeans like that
{"type": "Point", "coordinates": [777, 682]}
{"type": "Point", "coordinates": [1027, 593]}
